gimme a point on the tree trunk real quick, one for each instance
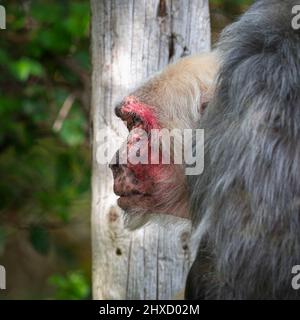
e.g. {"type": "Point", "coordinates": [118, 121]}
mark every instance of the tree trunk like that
{"type": "Point", "coordinates": [132, 39]}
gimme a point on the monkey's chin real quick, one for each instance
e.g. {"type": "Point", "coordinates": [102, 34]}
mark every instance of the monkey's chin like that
{"type": "Point", "coordinates": [137, 212]}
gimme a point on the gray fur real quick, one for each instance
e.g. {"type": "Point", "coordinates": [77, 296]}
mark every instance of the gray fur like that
{"type": "Point", "coordinates": [250, 189]}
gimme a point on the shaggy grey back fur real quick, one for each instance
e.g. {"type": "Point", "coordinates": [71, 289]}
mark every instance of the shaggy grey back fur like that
{"type": "Point", "coordinates": [250, 190]}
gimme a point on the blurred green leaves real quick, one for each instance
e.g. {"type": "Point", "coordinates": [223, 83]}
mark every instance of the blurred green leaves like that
{"type": "Point", "coordinates": [39, 238]}
{"type": "Point", "coordinates": [224, 12]}
{"type": "Point", "coordinates": [45, 173]}
{"type": "Point", "coordinates": [231, 6]}
{"type": "Point", "coordinates": [73, 286]}
{"type": "Point", "coordinates": [25, 67]}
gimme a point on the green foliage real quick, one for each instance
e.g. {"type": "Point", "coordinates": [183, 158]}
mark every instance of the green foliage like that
{"type": "Point", "coordinates": [25, 67]}
{"type": "Point", "coordinates": [73, 286]}
{"type": "Point", "coordinates": [231, 6]}
{"type": "Point", "coordinates": [39, 238]}
{"type": "Point", "coordinates": [45, 172]}
{"type": "Point", "coordinates": [72, 132]}
{"type": "Point", "coordinates": [224, 12]}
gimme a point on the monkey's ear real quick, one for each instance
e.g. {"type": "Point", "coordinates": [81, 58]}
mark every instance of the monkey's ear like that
{"type": "Point", "coordinates": [203, 106]}
{"type": "Point", "coordinates": [206, 96]}
{"type": "Point", "coordinates": [204, 101]}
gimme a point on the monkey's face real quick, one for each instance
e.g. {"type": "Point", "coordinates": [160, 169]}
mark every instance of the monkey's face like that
{"type": "Point", "coordinates": [143, 183]}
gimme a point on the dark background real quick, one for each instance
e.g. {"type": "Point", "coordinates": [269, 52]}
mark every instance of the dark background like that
{"type": "Point", "coordinates": [45, 156]}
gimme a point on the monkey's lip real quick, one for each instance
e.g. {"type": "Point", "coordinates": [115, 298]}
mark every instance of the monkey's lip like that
{"type": "Point", "coordinates": [132, 199]}
{"type": "Point", "coordinates": [129, 193]}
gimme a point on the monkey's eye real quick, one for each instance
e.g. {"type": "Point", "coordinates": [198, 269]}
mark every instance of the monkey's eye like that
{"type": "Point", "coordinates": [134, 121]}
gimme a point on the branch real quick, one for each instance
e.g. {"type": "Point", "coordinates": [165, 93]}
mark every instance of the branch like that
{"type": "Point", "coordinates": [63, 112]}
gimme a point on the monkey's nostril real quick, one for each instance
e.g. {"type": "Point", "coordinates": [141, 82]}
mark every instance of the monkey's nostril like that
{"type": "Point", "coordinates": [114, 166]}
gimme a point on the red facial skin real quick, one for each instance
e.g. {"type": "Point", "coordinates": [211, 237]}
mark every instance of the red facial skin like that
{"type": "Point", "coordinates": [145, 112]}
{"type": "Point", "coordinates": [148, 121]}
{"type": "Point", "coordinates": [137, 184]}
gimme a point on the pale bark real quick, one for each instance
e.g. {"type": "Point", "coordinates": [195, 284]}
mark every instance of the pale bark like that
{"type": "Point", "coordinates": [132, 39]}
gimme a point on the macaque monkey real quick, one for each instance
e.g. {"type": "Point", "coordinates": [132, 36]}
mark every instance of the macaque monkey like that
{"type": "Point", "coordinates": [173, 99]}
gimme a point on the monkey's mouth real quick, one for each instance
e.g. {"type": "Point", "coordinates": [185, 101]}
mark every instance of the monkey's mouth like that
{"type": "Point", "coordinates": [131, 199]}
{"type": "Point", "coordinates": [129, 193]}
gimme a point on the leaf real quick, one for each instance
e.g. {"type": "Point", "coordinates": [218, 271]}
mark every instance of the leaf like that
{"type": "Point", "coordinates": [77, 23]}
{"type": "Point", "coordinates": [72, 132]}
{"type": "Point", "coordinates": [73, 286]}
{"type": "Point", "coordinates": [25, 67]}
{"type": "Point", "coordinates": [39, 238]}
